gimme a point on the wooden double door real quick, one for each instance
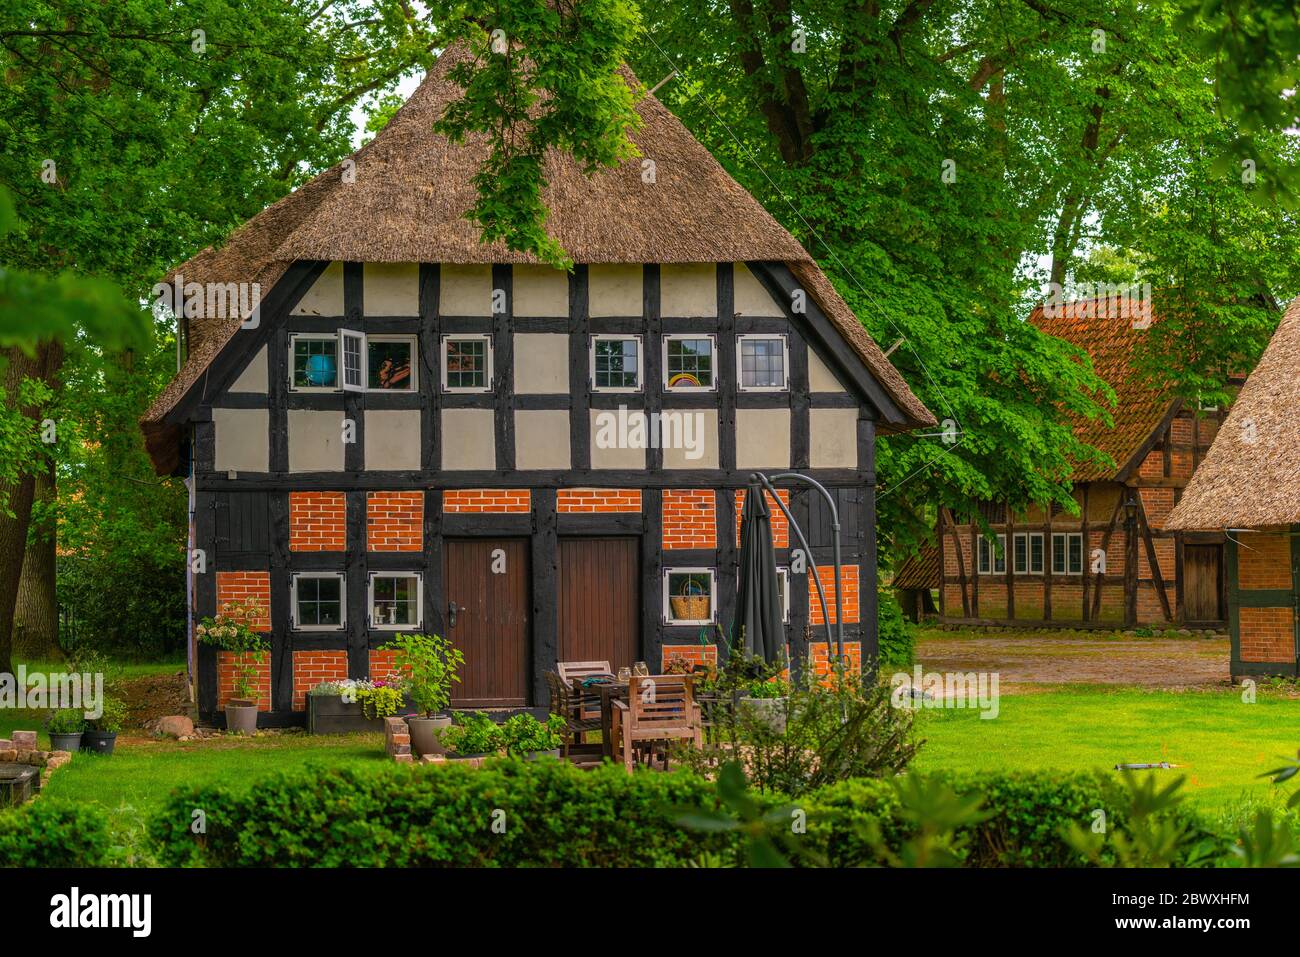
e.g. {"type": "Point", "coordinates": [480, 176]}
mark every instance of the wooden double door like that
{"type": "Point", "coordinates": [487, 588]}
{"type": "Point", "coordinates": [1203, 583]}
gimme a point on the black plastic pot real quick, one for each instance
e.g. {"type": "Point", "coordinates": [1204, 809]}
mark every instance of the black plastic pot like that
{"type": "Point", "coordinates": [98, 742]}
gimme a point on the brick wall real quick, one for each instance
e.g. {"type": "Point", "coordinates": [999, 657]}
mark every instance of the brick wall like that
{"type": "Point", "coordinates": [227, 662]}
{"type": "Point", "coordinates": [690, 518]}
{"type": "Point", "coordinates": [849, 576]}
{"type": "Point", "coordinates": [698, 655]}
{"type": "Point", "coordinates": [317, 522]}
{"type": "Point", "coordinates": [820, 652]}
{"type": "Point", "coordinates": [244, 588]}
{"type": "Point", "coordinates": [1264, 560]}
{"type": "Point", "coordinates": [310, 668]}
{"type": "Point", "coordinates": [395, 521]}
{"type": "Point", "coordinates": [569, 500]}
{"type": "Point", "coordinates": [1158, 503]}
{"type": "Point", "coordinates": [780, 524]}
{"type": "Point", "coordinates": [1267, 634]}
{"type": "Point", "coordinates": [993, 597]}
{"type": "Point", "coordinates": [487, 500]}
{"type": "Point", "coordinates": [381, 663]}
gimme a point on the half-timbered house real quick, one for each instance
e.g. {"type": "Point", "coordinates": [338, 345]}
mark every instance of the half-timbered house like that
{"type": "Point", "coordinates": [1115, 563]}
{"type": "Point", "coordinates": [417, 431]}
{"type": "Point", "coordinates": [1248, 490]}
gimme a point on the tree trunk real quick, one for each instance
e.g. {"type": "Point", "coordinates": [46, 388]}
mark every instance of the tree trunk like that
{"type": "Point", "coordinates": [18, 495]}
{"type": "Point", "coordinates": [36, 616]}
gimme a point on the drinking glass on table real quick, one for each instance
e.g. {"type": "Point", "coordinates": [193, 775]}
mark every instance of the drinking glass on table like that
{"type": "Point", "coordinates": [641, 669]}
{"type": "Point", "coordinates": [624, 674]}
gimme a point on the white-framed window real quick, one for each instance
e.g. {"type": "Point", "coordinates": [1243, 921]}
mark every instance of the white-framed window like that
{"type": "Point", "coordinates": [1027, 553]}
{"type": "Point", "coordinates": [318, 601]}
{"type": "Point", "coordinates": [313, 362]}
{"type": "Point", "coordinates": [467, 363]}
{"type": "Point", "coordinates": [396, 600]}
{"type": "Point", "coordinates": [617, 363]}
{"type": "Point", "coordinates": [783, 587]}
{"type": "Point", "coordinates": [689, 364]}
{"type": "Point", "coordinates": [392, 363]}
{"type": "Point", "coordinates": [1067, 553]}
{"type": "Point", "coordinates": [992, 560]}
{"type": "Point", "coordinates": [762, 363]}
{"type": "Point", "coordinates": [352, 361]}
{"type": "Point", "coordinates": [690, 596]}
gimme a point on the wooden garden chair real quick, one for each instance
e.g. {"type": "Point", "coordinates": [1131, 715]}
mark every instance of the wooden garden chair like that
{"type": "Point", "coordinates": [572, 674]}
{"type": "Point", "coordinates": [572, 705]}
{"type": "Point", "coordinates": [658, 709]}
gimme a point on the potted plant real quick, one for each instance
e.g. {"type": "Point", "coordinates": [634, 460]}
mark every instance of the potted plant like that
{"type": "Point", "coordinates": [355, 705]}
{"type": "Point", "coordinates": [530, 739]}
{"type": "Point", "coordinates": [429, 665]}
{"type": "Point", "coordinates": [100, 737]}
{"type": "Point", "coordinates": [767, 700]}
{"type": "Point", "coordinates": [66, 727]}
{"type": "Point", "coordinates": [231, 631]}
{"type": "Point", "coordinates": [471, 736]}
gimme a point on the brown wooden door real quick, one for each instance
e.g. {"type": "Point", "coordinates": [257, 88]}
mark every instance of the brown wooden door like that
{"type": "Point", "coordinates": [599, 606]}
{"type": "Point", "coordinates": [1202, 582]}
{"type": "Point", "coordinates": [491, 620]}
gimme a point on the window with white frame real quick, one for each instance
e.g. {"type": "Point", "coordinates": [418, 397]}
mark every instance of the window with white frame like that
{"type": "Point", "coordinates": [315, 362]}
{"type": "Point", "coordinates": [992, 559]}
{"type": "Point", "coordinates": [396, 600]}
{"type": "Point", "coordinates": [319, 601]}
{"type": "Point", "coordinates": [688, 363]}
{"type": "Point", "coordinates": [782, 591]}
{"type": "Point", "coordinates": [616, 363]}
{"type": "Point", "coordinates": [353, 361]}
{"type": "Point", "coordinates": [689, 596]}
{"type": "Point", "coordinates": [1027, 553]}
{"type": "Point", "coordinates": [391, 363]}
{"type": "Point", "coordinates": [762, 363]}
{"type": "Point", "coordinates": [1067, 553]}
{"type": "Point", "coordinates": [467, 363]}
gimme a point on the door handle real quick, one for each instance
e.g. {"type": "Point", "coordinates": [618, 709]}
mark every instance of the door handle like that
{"type": "Point", "coordinates": [451, 614]}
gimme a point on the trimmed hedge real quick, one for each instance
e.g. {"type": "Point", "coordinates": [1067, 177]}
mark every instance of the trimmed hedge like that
{"type": "Point", "coordinates": [47, 833]}
{"type": "Point", "coordinates": [556, 815]}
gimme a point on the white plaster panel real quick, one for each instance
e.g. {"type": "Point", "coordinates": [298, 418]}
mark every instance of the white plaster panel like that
{"type": "Point", "coordinates": [820, 376]}
{"type": "Point", "coordinates": [465, 291]}
{"type": "Point", "coordinates": [614, 290]}
{"type": "Point", "coordinates": [542, 439]}
{"type": "Point", "coordinates": [541, 363]}
{"type": "Point", "coordinates": [315, 440]}
{"type": "Point", "coordinates": [243, 440]}
{"type": "Point", "coordinates": [469, 439]}
{"type": "Point", "coordinates": [392, 439]}
{"type": "Point", "coordinates": [254, 378]}
{"type": "Point", "coordinates": [833, 438]}
{"type": "Point", "coordinates": [699, 427]}
{"type": "Point", "coordinates": [762, 438]}
{"type": "Point", "coordinates": [325, 297]}
{"type": "Point", "coordinates": [391, 289]}
{"type": "Point", "coordinates": [540, 291]}
{"type": "Point", "coordinates": [688, 289]}
{"type": "Point", "coordinates": [751, 299]}
{"type": "Point", "coordinates": [607, 451]}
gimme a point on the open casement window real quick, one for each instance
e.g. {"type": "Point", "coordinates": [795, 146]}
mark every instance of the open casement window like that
{"type": "Point", "coordinates": [1067, 553]}
{"type": "Point", "coordinates": [318, 601]}
{"type": "Point", "coordinates": [689, 363]}
{"type": "Point", "coordinates": [1027, 553]}
{"type": "Point", "coordinates": [992, 559]}
{"type": "Point", "coordinates": [396, 600]}
{"type": "Point", "coordinates": [352, 346]}
{"type": "Point", "coordinates": [690, 596]}
{"type": "Point", "coordinates": [353, 361]}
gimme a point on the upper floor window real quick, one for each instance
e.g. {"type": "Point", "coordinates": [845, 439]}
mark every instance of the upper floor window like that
{"type": "Point", "coordinates": [688, 363]}
{"type": "Point", "coordinates": [315, 362]}
{"type": "Point", "coordinates": [616, 363]}
{"type": "Point", "coordinates": [762, 364]}
{"type": "Point", "coordinates": [467, 363]}
{"type": "Point", "coordinates": [353, 361]}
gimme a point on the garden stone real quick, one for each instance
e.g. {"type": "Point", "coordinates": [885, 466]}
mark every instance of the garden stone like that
{"type": "Point", "coordinates": [174, 726]}
{"type": "Point", "coordinates": [9, 754]}
{"type": "Point", "coordinates": [5, 744]}
{"type": "Point", "coordinates": [24, 740]}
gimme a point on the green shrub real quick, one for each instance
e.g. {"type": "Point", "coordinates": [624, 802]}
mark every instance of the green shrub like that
{"type": "Point", "coordinates": [897, 638]}
{"type": "Point", "coordinates": [47, 833]}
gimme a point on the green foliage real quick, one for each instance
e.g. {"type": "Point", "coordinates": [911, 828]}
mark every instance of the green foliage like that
{"type": "Point", "coordinates": [429, 665]}
{"type": "Point", "coordinates": [380, 701]}
{"type": "Point", "coordinates": [230, 631]}
{"type": "Point", "coordinates": [473, 733]}
{"type": "Point", "coordinates": [897, 638]}
{"type": "Point", "coordinates": [768, 837]}
{"type": "Point", "coordinates": [49, 833]}
{"type": "Point", "coordinates": [113, 717]}
{"type": "Point", "coordinates": [940, 818]}
{"type": "Point", "coordinates": [1267, 842]}
{"type": "Point", "coordinates": [544, 76]}
{"type": "Point", "coordinates": [66, 721]}
{"type": "Point", "coordinates": [524, 734]}
{"type": "Point", "coordinates": [1150, 833]}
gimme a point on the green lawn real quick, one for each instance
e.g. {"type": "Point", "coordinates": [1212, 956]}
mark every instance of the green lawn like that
{"type": "Point", "coordinates": [1222, 743]}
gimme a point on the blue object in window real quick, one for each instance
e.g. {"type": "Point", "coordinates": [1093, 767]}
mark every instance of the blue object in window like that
{"type": "Point", "coordinates": [321, 371]}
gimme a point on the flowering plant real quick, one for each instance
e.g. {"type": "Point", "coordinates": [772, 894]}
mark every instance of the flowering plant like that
{"type": "Point", "coordinates": [232, 630]}
{"type": "Point", "coordinates": [380, 698]}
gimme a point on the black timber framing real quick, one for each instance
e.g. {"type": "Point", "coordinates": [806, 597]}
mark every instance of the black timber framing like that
{"type": "Point", "coordinates": [855, 487]}
{"type": "Point", "coordinates": [1239, 598]}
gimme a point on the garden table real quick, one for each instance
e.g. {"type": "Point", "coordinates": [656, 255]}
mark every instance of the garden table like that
{"type": "Point", "coordinates": [609, 692]}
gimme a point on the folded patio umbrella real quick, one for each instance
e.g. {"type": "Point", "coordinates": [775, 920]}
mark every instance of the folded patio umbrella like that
{"type": "Point", "coordinates": [758, 606]}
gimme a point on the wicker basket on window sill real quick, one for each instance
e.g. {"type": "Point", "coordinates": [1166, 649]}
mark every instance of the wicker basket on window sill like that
{"type": "Point", "coordinates": [690, 607]}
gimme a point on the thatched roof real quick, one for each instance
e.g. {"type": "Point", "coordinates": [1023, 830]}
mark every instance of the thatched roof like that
{"type": "Point", "coordinates": [1104, 329]}
{"type": "Point", "coordinates": [412, 188]}
{"type": "Point", "coordinates": [1251, 475]}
